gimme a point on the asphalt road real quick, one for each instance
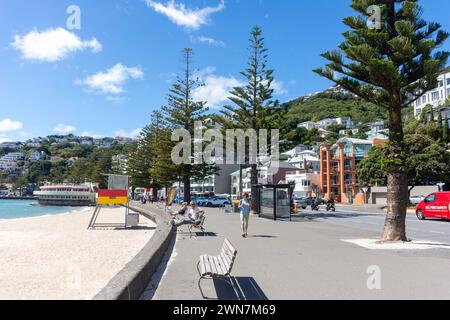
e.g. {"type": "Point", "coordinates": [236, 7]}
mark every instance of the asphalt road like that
{"type": "Point", "coordinates": [433, 230]}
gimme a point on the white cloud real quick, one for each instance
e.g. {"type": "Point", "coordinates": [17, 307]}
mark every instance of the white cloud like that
{"type": "Point", "coordinates": [278, 88]}
{"type": "Point", "coordinates": [8, 125]}
{"type": "Point", "coordinates": [4, 139]}
{"type": "Point", "coordinates": [211, 41]}
{"type": "Point", "coordinates": [93, 135]}
{"type": "Point", "coordinates": [216, 89]}
{"type": "Point", "coordinates": [64, 129]}
{"type": "Point", "coordinates": [179, 14]}
{"type": "Point", "coordinates": [112, 80]}
{"type": "Point", "coordinates": [132, 134]}
{"type": "Point", "coordinates": [52, 45]}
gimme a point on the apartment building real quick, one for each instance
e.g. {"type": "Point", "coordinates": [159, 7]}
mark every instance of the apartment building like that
{"type": "Point", "coordinates": [435, 97]}
{"type": "Point", "coordinates": [338, 167]}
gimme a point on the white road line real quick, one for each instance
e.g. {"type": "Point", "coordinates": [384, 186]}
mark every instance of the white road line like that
{"type": "Point", "coordinates": [437, 232]}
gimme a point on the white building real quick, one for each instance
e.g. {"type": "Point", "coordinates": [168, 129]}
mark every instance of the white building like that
{"type": "Point", "coordinates": [308, 125]}
{"type": "Point", "coordinates": [8, 163]}
{"type": "Point", "coordinates": [306, 184]}
{"type": "Point", "coordinates": [37, 156]}
{"type": "Point", "coordinates": [217, 184]}
{"type": "Point", "coordinates": [307, 160]}
{"type": "Point", "coordinates": [326, 123]}
{"type": "Point", "coordinates": [435, 97]}
{"type": "Point", "coordinates": [273, 172]}
{"type": "Point", "coordinates": [306, 175]}
{"type": "Point", "coordinates": [10, 145]}
{"type": "Point", "coordinates": [378, 130]}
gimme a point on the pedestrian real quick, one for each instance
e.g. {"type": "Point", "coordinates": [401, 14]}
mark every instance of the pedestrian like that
{"type": "Point", "coordinates": [244, 207]}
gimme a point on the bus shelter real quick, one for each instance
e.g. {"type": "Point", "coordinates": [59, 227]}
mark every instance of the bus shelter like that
{"type": "Point", "coordinates": [276, 201]}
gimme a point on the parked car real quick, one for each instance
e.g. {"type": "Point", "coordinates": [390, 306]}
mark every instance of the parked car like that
{"type": "Point", "coordinates": [218, 202]}
{"type": "Point", "coordinates": [201, 201]}
{"type": "Point", "coordinates": [436, 205]}
{"type": "Point", "coordinates": [416, 199]}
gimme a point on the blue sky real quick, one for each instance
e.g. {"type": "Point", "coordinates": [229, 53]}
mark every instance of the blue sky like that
{"type": "Point", "coordinates": [106, 78]}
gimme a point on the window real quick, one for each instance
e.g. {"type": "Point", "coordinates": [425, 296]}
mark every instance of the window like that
{"type": "Point", "coordinates": [348, 164]}
{"type": "Point", "coordinates": [434, 96]}
{"type": "Point", "coordinates": [424, 99]}
{"type": "Point", "coordinates": [441, 83]}
{"type": "Point", "coordinates": [431, 198]}
{"type": "Point", "coordinates": [448, 81]}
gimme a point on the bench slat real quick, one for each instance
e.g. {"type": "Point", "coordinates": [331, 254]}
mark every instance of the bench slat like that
{"type": "Point", "coordinates": [226, 260]}
{"type": "Point", "coordinates": [202, 266]}
{"type": "Point", "coordinates": [228, 254]}
{"type": "Point", "coordinates": [230, 246]}
{"type": "Point", "coordinates": [213, 266]}
{"type": "Point", "coordinates": [220, 268]}
{"type": "Point", "coordinates": [207, 266]}
{"type": "Point", "coordinates": [224, 266]}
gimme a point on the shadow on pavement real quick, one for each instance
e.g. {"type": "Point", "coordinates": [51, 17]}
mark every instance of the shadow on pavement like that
{"type": "Point", "coordinates": [197, 234]}
{"type": "Point", "coordinates": [306, 216]}
{"type": "Point", "coordinates": [243, 288]}
{"type": "Point", "coordinates": [150, 291]}
{"type": "Point", "coordinates": [262, 236]}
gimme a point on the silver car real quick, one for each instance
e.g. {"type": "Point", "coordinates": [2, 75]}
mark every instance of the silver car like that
{"type": "Point", "coordinates": [416, 199]}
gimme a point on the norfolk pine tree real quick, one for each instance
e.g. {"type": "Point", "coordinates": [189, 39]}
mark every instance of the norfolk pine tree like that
{"type": "Point", "coordinates": [253, 105]}
{"type": "Point", "coordinates": [181, 112]}
{"type": "Point", "coordinates": [391, 66]}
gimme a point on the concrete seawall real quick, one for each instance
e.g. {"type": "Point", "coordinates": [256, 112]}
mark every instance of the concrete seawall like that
{"type": "Point", "coordinates": [131, 282]}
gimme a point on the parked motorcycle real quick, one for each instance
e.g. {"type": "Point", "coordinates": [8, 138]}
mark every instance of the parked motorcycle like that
{"type": "Point", "coordinates": [331, 207]}
{"type": "Point", "coordinates": [315, 206]}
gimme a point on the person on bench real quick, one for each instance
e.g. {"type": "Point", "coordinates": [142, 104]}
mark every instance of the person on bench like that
{"type": "Point", "coordinates": [182, 212]}
{"type": "Point", "coordinates": [193, 216]}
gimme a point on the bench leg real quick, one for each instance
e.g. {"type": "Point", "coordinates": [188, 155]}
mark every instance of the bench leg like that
{"type": "Point", "coordinates": [227, 280]}
{"type": "Point", "coordinates": [200, 287]}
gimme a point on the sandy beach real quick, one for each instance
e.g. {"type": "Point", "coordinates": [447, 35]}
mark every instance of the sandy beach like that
{"type": "Point", "coordinates": [57, 258]}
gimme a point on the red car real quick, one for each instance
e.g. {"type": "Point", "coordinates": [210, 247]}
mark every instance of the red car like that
{"type": "Point", "coordinates": [436, 205]}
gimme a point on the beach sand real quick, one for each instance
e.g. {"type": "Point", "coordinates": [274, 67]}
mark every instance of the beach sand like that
{"type": "Point", "coordinates": [57, 258]}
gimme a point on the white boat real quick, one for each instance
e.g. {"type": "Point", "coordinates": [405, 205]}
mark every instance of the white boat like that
{"type": "Point", "coordinates": [66, 195]}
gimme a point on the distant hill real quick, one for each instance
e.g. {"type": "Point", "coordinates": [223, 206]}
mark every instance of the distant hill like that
{"type": "Point", "coordinates": [333, 103]}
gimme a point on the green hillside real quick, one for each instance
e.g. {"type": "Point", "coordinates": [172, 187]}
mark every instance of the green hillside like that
{"type": "Point", "coordinates": [333, 105]}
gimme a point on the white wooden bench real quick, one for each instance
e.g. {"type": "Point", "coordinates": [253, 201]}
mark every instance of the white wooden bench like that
{"type": "Point", "coordinates": [220, 267]}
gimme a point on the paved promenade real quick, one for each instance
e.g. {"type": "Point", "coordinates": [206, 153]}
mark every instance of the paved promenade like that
{"type": "Point", "coordinates": [299, 260]}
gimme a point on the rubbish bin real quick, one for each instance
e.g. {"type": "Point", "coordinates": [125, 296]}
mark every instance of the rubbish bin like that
{"type": "Point", "coordinates": [132, 220]}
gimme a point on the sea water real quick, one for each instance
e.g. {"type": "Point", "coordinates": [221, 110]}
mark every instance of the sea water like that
{"type": "Point", "coordinates": [17, 209]}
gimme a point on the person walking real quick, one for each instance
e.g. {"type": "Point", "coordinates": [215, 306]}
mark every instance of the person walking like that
{"type": "Point", "coordinates": [244, 207]}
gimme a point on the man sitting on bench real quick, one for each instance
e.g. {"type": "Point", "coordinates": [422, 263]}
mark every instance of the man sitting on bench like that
{"type": "Point", "coordinates": [182, 212]}
{"type": "Point", "coordinates": [193, 216]}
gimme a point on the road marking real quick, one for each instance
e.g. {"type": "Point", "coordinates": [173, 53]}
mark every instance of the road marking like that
{"type": "Point", "coordinates": [437, 232]}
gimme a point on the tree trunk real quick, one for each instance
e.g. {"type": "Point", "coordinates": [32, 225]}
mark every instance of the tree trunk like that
{"type": "Point", "coordinates": [187, 189]}
{"type": "Point", "coordinates": [255, 193]}
{"type": "Point", "coordinates": [395, 224]}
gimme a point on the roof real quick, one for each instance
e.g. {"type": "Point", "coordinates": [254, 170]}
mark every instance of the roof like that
{"type": "Point", "coordinates": [65, 187]}
{"type": "Point", "coordinates": [354, 141]}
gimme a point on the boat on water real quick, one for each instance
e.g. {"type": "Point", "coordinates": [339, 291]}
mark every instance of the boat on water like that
{"type": "Point", "coordinates": [66, 195]}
